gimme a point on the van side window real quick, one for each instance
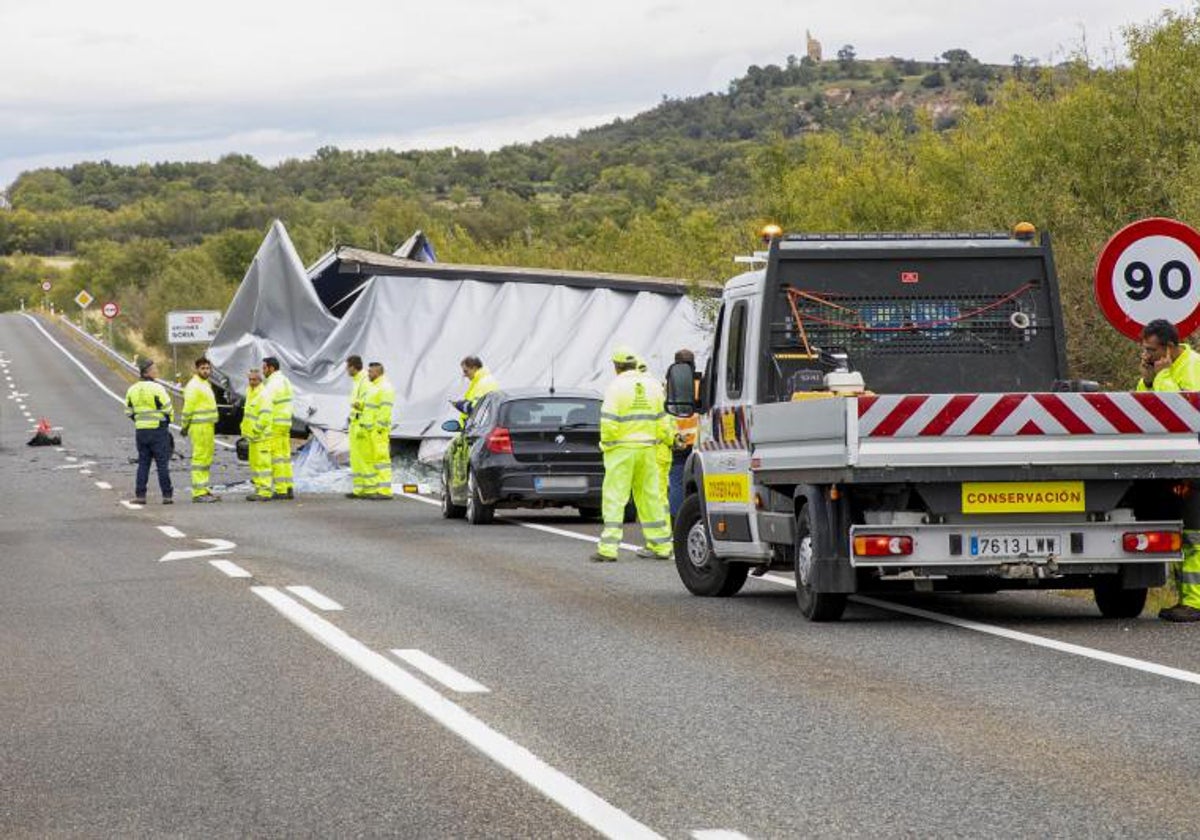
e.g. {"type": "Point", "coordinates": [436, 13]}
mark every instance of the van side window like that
{"type": "Point", "coordinates": [735, 354]}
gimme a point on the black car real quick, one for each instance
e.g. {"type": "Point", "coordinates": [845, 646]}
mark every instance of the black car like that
{"type": "Point", "coordinates": [525, 447]}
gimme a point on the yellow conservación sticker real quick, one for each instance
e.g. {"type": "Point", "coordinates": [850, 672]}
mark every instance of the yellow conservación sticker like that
{"type": "Point", "coordinates": [1022, 497]}
{"type": "Point", "coordinates": [727, 487]}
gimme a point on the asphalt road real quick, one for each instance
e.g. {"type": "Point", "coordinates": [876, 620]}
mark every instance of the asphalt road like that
{"type": "Point", "coordinates": [143, 696]}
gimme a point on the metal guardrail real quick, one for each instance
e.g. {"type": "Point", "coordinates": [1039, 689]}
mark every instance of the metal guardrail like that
{"type": "Point", "coordinates": [128, 364]}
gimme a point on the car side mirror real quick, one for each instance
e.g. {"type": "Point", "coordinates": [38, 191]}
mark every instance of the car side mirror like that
{"type": "Point", "coordinates": [681, 389]}
{"type": "Point", "coordinates": [452, 426]}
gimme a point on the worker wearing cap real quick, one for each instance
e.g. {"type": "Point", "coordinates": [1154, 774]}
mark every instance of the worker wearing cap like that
{"type": "Point", "coordinates": [362, 470]}
{"type": "Point", "coordinates": [256, 428]}
{"type": "Point", "coordinates": [277, 393]}
{"type": "Point", "coordinates": [199, 422]}
{"type": "Point", "coordinates": [630, 423]}
{"type": "Point", "coordinates": [480, 383]}
{"type": "Point", "coordinates": [381, 397]}
{"type": "Point", "coordinates": [1168, 365]}
{"type": "Point", "coordinates": [148, 405]}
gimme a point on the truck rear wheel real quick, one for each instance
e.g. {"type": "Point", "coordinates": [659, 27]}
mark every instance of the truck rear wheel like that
{"type": "Point", "coordinates": [814, 605]}
{"type": "Point", "coordinates": [1115, 602]}
{"type": "Point", "coordinates": [701, 571]}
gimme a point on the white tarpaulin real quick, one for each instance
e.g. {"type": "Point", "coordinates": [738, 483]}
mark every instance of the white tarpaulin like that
{"type": "Point", "coordinates": [525, 325]}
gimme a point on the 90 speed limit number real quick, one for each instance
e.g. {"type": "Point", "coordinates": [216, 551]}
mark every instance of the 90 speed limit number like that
{"type": "Point", "coordinates": [1150, 270]}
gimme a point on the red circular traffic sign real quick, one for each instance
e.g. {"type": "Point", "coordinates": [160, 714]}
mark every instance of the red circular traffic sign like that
{"type": "Point", "coordinates": [46, 285]}
{"type": "Point", "coordinates": [1148, 270]}
{"type": "Point", "coordinates": [110, 310]}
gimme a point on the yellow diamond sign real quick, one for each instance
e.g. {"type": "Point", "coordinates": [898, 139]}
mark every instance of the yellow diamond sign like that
{"type": "Point", "coordinates": [83, 299]}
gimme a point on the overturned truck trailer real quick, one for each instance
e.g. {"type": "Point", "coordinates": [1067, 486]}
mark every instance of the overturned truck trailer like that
{"type": "Point", "coordinates": [530, 327]}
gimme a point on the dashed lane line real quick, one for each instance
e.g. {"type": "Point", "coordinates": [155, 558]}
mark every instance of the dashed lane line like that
{"type": "Point", "coordinates": [103, 485]}
{"type": "Point", "coordinates": [438, 670]}
{"type": "Point", "coordinates": [585, 805]}
{"type": "Point", "coordinates": [172, 532]}
{"type": "Point", "coordinates": [1017, 636]}
{"type": "Point", "coordinates": [230, 568]}
{"type": "Point", "coordinates": [315, 598]}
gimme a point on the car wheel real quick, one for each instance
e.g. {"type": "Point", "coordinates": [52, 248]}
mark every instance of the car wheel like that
{"type": "Point", "coordinates": [477, 512]}
{"type": "Point", "coordinates": [1115, 602]}
{"type": "Point", "coordinates": [701, 571]}
{"type": "Point", "coordinates": [449, 509]}
{"type": "Point", "coordinates": [814, 605]}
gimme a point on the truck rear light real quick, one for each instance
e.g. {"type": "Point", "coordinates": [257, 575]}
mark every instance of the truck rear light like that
{"type": "Point", "coordinates": [1152, 542]}
{"type": "Point", "coordinates": [882, 545]}
{"type": "Point", "coordinates": [499, 441]}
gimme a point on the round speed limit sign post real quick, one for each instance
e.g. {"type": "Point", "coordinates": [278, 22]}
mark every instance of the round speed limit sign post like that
{"type": "Point", "coordinates": [1149, 270]}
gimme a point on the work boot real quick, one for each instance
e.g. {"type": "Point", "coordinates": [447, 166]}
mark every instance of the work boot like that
{"type": "Point", "coordinates": [356, 496]}
{"type": "Point", "coordinates": [140, 500]}
{"type": "Point", "coordinates": [597, 557]}
{"type": "Point", "coordinates": [254, 497]}
{"type": "Point", "coordinates": [167, 500]}
{"type": "Point", "coordinates": [645, 553]}
{"type": "Point", "coordinates": [287, 494]}
{"type": "Point", "coordinates": [1180, 613]}
{"type": "Point", "coordinates": [207, 498]}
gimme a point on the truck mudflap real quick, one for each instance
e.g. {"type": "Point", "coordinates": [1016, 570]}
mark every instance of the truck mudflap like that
{"type": "Point", "coordinates": [1041, 549]}
{"type": "Point", "coordinates": [827, 567]}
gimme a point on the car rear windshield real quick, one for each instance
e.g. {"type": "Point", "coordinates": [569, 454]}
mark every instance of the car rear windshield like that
{"type": "Point", "coordinates": [551, 412]}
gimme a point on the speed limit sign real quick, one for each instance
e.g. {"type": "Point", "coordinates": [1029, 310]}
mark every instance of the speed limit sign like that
{"type": "Point", "coordinates": [1148, 270]}
{"type": "Point", "coordinates": [111, 310]}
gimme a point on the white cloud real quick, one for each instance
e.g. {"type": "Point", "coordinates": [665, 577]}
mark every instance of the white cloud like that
{"type": "Point", "coordinates": [85, 80]}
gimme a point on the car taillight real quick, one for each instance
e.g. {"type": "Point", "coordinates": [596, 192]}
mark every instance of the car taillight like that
{"type": "Point", "coordinates": [882, 545]}
{"type": "Point", "coordinates": [499, 441]}
{"type": "Point", "coordinates": [1151, 542]}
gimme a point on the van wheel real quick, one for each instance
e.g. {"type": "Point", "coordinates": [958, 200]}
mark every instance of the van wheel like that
{"type": "Point", "coordinates": [701, 571]}
{"type": "Point", "coordinates": [1115, 602]}
{"type": "Point", "coordinates": [449, 509]}
{"type": "Point", "coordinates": [477, 512]}
{"type": "Point", "coordinates": [814, 605]}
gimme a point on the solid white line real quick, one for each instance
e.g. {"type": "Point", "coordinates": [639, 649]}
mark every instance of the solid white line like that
{"type": "Point", "coordinates": [440, 671]}
{"type": "Point", "coordinates": [555, 785]}
{"type": "Point", "coordinates": [1018, 636]}
{"type": "Point", "coordinates": [172, 532]}
{"type": "Point", "coordinates": [314, 597]}
{"type": "Point", "coordinates": [103, 485]}
{"type": "Point", "coordinates": [230, 568]}
{"type": "Point", "coordinates": [92, 376]}
{"type": "Point", "coordinates": [531, 525]}
{"type": "Point", "coordinates": [718, 834]}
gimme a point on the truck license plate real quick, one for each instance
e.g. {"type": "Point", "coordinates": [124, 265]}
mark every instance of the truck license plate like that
{"type": "Point", "coordinates": [1015, 545]}
{"type": "Point", "coordinates": [560, 482]}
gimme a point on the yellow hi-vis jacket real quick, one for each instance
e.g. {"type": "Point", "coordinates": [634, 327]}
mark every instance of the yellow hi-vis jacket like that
{"type": "Point", "coordinates": [361, 383]}
{"type": "Point", "coordinates": [632, 413]}
{"type": "Point", "coordinates": [277, 391]}
{"type": "Point", "coordinates": [148, 404]}
{"type": "Point", "coordinates": [199, 403]}
{"type": "Point", "coordinates": [1182, 375]}
{"type": "Point", "coordinates": [256, 415]}
{"type": "Point", "coordinates": [482, 383]}
{"type": "Point", "coordinates": [381, 397]}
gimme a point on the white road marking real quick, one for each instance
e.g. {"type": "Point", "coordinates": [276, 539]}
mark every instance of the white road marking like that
{"type": "Point", "coordinates": [131, 505]}
{"type": "Point", "coordinates": [78, 466]}
{"type": "Point", "coordinates": [1018, 636]}
{"type": "Point", "coordinates": [60, 449]}
{"type": "Point", "coordinates": [440, 671]}
{"type": "Point", "coordinates": [92, 376]}
{"type": "Point", "coordinates": [85, 472]}
{"type": "Point", "coordinates": [103, 485]}
{"type": "Point", "coordinates": [71, 458]}
{"type": "Point", "coordinates": [553, 784]}
{"type": "Point", "coordinates": [230, 568]}
{"type": "Point", "coordinates": [315, 598]}
{"type": "Point", "coordinates": [531, 525]}
{"type": "Point", "coordinates": [718, 834]}
{"type": "Point", "coordinates": [218, 547]}
{"type": "Point", "coordinates": [172, 532]}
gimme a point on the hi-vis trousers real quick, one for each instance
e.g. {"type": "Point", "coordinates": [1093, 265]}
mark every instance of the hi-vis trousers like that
{"type": "Point", "coordinates": [281, 457]}
{"type": "Point", "coordinates": [201, 436]}
{"type": "Point", "coordinates": [633, 469]}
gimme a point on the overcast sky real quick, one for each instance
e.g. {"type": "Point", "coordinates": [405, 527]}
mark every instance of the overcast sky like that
{"type": "Point", "coordinates": [148, 80]}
